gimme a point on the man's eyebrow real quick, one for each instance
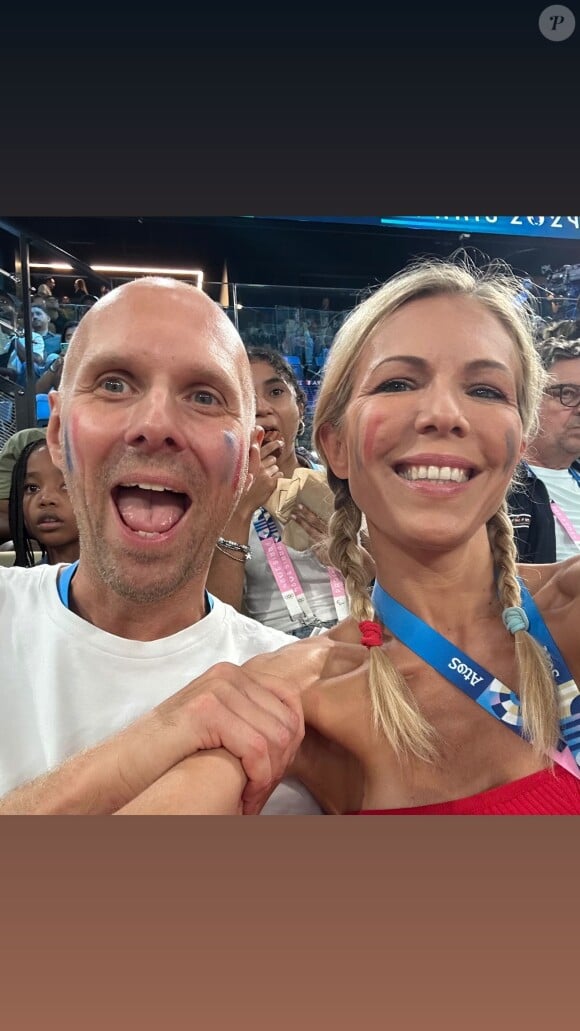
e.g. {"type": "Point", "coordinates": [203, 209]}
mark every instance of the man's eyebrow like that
{"type": "Point", "coordinates": [274, 379]}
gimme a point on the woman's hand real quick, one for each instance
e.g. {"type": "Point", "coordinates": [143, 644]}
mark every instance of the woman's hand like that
{"type": "Point", "coordinates": [266, 478]}
{"type": "Point", "coordinates": [316, 529]}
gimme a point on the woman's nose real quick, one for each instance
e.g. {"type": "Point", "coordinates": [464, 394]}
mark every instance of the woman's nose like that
{"type": "Point", "coordinates": [442, 411]}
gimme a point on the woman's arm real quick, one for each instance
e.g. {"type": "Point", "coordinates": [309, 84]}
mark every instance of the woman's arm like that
{"type": "Point", "coordinates": [205, 784]}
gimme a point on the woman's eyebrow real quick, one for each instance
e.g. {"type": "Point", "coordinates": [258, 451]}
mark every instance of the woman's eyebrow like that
{"type": "Point", "coordinates": [478, 364]}
{"type": "Point", "coordinates": [486, 363]}
{"type": "Point", "coordinates": [273, 380]}
{"type": "Point", "coordinates": [407, 359]}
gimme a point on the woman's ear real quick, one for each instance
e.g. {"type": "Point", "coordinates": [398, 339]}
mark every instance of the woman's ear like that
{"type": "Point", "coordinates": [334, 450]}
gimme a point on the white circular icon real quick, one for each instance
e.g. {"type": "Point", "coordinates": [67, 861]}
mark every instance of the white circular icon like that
{"type": "Point", "coordinates": [557, 23]}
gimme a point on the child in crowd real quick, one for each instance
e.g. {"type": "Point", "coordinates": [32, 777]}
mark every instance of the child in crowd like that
{"type": "Point", "coordinates": [39, 509]}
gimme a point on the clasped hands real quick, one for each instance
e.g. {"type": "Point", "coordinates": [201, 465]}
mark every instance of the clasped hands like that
{"type": "Point", "coordinates": [223, 743]}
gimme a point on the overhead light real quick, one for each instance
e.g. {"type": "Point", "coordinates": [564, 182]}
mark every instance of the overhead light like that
{"type": "Point", "coordinates": [191, 273]}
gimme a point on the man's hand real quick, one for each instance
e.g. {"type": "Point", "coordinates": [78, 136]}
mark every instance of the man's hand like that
{"type": "Point", "coordinates": [255, 716]}
{"type": "Point", "coordinates": [292, 670]}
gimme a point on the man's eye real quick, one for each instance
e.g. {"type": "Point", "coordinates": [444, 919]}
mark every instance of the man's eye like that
{"type": "Point", "coordinates": [204, 397]}
{"type": "Point", "coordinates": [113, 385]}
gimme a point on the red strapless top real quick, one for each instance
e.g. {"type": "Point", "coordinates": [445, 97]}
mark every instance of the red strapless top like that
{"type": "Point", "coordinates": [545, 793]}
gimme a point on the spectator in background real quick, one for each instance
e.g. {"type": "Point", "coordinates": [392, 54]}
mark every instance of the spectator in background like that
{"type": "Point", "coordinates": [256, 587]}
{"type": "Point", "coordinates": [8, 458]}
{"type": "Point", "coordinates": [39, 509]}
{"type": "Point", "coordinates": [50, 379]}
{"type": "Point", "coordinates": [57, 319]}
{"type": "Point", "coordinates": [17, 362]}
{"type": "Point", "coordinates": [545, 504]}
{"type": "Point", "coordinates": [52, 341]}
{"type": "Point", "coordinates": [80, 294]}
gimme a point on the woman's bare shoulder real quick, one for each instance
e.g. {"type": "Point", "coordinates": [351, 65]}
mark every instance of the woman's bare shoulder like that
{"type": "Point", "coordinates": [347, 630]}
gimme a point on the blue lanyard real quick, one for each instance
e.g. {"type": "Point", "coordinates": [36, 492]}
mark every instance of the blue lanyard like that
{"type": "Point", "coordinates": [574, 472]}
{"type": "Point", "coordinates": [475, 681]}
{"type": "Point", "coordinates": [63, 588]}
{"type": "Point", "coordinates": [63, 583]}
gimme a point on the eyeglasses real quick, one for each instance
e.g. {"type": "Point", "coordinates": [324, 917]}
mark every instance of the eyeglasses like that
{"type": "Point", "coordinates": [568, 394]}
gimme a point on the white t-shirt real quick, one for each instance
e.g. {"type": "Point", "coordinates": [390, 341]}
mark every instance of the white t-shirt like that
{"type": "Point", "coordinates": [66, 685]}
{"type": "Point", "coordinates": [565, 492]}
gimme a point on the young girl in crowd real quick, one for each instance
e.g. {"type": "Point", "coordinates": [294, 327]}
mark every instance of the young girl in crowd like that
{"type": "Point", "coordinates": [261, 587]}
{"type": "Point", "coordinates": [39, 510]}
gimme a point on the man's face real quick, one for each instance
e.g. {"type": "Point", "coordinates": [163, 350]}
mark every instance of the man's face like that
{"type": "Point", "coordinates": [152, 429]}
{"type": "Point", "coordinates": [39, 319]}
{"type": "Point", "coordinates": [558, 441]}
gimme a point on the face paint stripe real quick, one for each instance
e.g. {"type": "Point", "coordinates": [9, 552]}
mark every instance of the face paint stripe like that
{"type": "Point", "coordinates": [67, 451]}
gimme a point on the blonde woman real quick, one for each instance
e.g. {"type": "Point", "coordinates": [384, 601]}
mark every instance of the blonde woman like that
{"type": "Point", "coordinates": [470, 704]}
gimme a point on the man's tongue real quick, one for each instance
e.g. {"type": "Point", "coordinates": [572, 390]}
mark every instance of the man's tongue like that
{"type": "Point", "coordinates": [149, 511]}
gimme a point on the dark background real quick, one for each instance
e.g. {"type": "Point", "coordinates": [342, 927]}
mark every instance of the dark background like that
{"type": "Point", "coordinates": [272, 251]}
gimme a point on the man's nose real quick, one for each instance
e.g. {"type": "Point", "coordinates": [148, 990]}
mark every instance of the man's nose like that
{"type": "Point", "coordinates": [154, 423]}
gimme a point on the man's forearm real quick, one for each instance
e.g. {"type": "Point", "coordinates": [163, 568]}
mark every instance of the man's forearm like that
{"type": "Point", "coordinates": [93, 782]}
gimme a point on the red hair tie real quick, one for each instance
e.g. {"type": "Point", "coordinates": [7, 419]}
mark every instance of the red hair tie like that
{"type": "Point", "coordinates": [371, 633]}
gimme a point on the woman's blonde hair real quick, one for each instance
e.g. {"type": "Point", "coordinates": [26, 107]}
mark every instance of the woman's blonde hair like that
{"type": "Point", "coordinates": [497, 289]}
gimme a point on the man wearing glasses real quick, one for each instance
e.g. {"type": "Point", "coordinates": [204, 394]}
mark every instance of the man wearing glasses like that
{"type": "Point", "coordinates": [546, 508]}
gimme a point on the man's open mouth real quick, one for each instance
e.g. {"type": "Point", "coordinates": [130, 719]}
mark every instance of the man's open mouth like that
{"type": "Point", "coordinates": [149, 509]}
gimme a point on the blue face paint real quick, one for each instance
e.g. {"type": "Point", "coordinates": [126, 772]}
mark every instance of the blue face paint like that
{"type": "Point", "coordinates": [67, 451]}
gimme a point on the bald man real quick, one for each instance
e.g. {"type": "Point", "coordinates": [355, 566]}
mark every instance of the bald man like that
{"type": "Point", "coordinates": [110, 690]}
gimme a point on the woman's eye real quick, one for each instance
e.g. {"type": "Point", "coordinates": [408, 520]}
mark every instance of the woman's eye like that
{"type": "Point", "coordinates": [277, 392]}
{"type": "Point", "coordinates": [484, 391]}
{"type": "Point", "coordinates": [30, 488]}
{"type": "Point", "coordinates": [394, 386]}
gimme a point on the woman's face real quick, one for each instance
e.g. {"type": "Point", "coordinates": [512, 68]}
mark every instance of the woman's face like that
{"type": "Point", "coordinates": [48, 514]}
{"type": "Point", "coordinates": [277, 409]}
{"type": "Point", "coordinates": [432, 432]}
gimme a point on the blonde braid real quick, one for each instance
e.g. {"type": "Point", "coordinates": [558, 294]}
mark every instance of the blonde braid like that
{"type": "Point", "coordinates": [536, 685]}
{"type": "Point", "coordinates": [394, 710]}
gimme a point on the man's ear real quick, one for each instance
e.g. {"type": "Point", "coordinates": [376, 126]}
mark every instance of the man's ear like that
{"type": "Point", "coordinates": [334, 450]}
{"type": "Point", "coordinates": [53, 430]}
{"type": "Point", "coordinates": [254, 457]}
